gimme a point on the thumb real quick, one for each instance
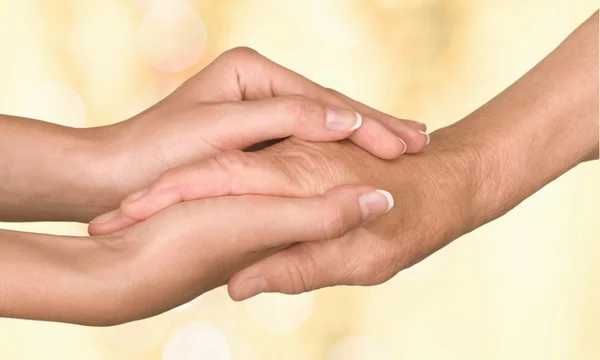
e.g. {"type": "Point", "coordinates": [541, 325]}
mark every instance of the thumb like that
{"type": "Point", "coordinates": [299, 268]}
{"type": "Point", "coordinates": [307, 266]}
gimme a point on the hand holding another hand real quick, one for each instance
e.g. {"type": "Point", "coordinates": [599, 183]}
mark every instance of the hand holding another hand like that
{"type": "Point", "coordinates": [196, 246]}
{"type": "Point", "coordinates": [240, 100]}
{"type": "Point", "coordinates": [432, 208]}
{"type": "Point", "coordinates": [473, 172]}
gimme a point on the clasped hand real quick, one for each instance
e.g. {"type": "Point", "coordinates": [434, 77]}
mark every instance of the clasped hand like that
{"type": "Point", "coordinates": [267, 220]}
{"type": "Point", "coordinates": [251, 175]}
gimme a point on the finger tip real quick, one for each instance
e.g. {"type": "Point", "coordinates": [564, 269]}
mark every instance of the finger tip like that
{"type": "Point", "coordinates": [91, 231]}
{"type": "Point", "coordinates": [427, 137]}
{"type": "Point", "coordinates": [404, 146]}
{"type": "Point", "coordinates": [98, 229]}
{"type": "Point", "coordinates": [416, 141]}
{"type": "Point", "coordinates": [135, 211]}
{"type": "Point", "coordinates": [391, 152]}
{"type": "Point", "coordinates": [422, 126]}
{"type": "Point", "coordinates": [234, 293]}
{"type": "Point", "coordinates": [389, 198]}
{"type": "Point", "coordinates": [359, 122]}
{"type": "Point", "coordinates": [233, 287]}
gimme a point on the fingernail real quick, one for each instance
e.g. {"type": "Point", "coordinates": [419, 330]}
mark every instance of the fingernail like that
{"type": "Point", "coordinates": [375, 203]}
{"type": "Point", "coordinates": [405, 146]}
{"type": "Point", "coordinates": [105, 217]}
{"type": "Point", "coordinates": [342, 120]}
{"type": "Point", "coordinates": [135, 196]}
{"type": "Point", "coordinates": [251, 287]}
{"type": "Point", "coordinates": [428, 139]}
{"type": "Point", "coordinates": [422, 124]}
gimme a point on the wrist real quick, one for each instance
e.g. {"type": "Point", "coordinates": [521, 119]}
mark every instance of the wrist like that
{"type": "Point", "coordinates": [114, 166]}
{"type": "Point", "coordinates": [97, 185]}
{"type": "Point", "coordinates": [497, 166]}
{"type": "Point", "coordinates": [454, 173]}
{"type": "Point", "coordinates": [54, 278]}
{"type": "Point", "coordinates": [479, 163]}
{"type": "Point", "coordinates": [55, 173]}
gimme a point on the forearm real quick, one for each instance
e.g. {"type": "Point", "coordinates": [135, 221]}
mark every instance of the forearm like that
{"type": "Point", "coordinates": [536, 130]}
{"type": "Point", "coordinates": [49, 278]}
{"type": "Point", "coordinates": [52, 173]}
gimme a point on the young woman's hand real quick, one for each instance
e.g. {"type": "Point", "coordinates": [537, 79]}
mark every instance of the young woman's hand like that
{"type": "Point", "coordinates": [196, 246]}
{"type": "Point", "coordinates": [240, 100]}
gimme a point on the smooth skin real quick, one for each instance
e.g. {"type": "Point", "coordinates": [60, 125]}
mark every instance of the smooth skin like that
{"type": "Point", "coordinates": [473, 172]}
{"type": "Point", "coordinates": [170, 259]}
{"type": "Point", "coordinates": [54, 173]}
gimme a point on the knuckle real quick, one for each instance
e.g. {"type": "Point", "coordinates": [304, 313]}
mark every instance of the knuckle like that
{"type": "Point", "coordinates": [229, 164]}
{"type": "Point", "coordinates": [372, 267]}
{"type": "Point", "coordinates": [334, 223]}
{"type": "Point", "coordinates": [302, 166]}
{"type": "Point", "coordinates": [332, 91]}
{"type": "Point", "coordinates": [313, 167]}
{"type": "Point", "coordinates": [299, 108]}
{"type": "Point", "coordinates": [232, 160]}
{"type": "Point", "coordinates": [298, 274]}
{"type": "Point", "coordinates": [239, 54]}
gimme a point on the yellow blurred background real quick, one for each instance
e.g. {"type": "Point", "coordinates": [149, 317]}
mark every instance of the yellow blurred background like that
{"type": "Point", "coordinates": [524, 287]}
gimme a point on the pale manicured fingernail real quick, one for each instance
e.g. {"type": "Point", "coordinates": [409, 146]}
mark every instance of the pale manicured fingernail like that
{"type": "Point", "coordinates": [251, 287]}
{"type": "Point", "coordinates": [405, 146]}
{"type": "Point", "coordinates": [342, 120]}
{"type": "Point", "coordinates": [427, 138]}
{"type": "Point", "coordinates": [105, 217]}
{"type": "Point", "coordinates": [422, 124]}
{"type": "Point", "coordinates": [135, 196]}
{"type": "Point", "coordinates": [375, 203]}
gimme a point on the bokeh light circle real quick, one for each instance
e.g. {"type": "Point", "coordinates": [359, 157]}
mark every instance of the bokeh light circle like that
{"type": "Point", "coordinates": [197, 341]}
{"type": "Point", "coordinates": [148, 5]}
{"type": "Point", "coordinates": [54, 102]}
{"type": "Point", "coordinates": [357, 348]}
{"type": "Point", "coordinates": [280, 313]}
{"type": "Point", "coordinates": [340, 22]}
{"type": "Point", "coordinates": [172, 37]}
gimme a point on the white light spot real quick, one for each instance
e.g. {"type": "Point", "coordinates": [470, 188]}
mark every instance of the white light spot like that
{"type": "Point", "coordinates": [340, 22]}
{"type": "Point", "coordinates": [97, 49]}
{"type": "Point", "coordinates": [53, 102]}
{"type": "Point", "coordinates": [197, 341]}
{"type": "Point", "coordinates": [280, 313]}
{"type": "Point", "coordinates": [148, 5]}
{"type": "Point", "coordinates": [241, 348]}
{"type": "Point", "coordinates": [172, 37]}
{"type": "Point", "coordinates": [357, 348]}
{"type": "Point", "coordinates": [405, 4]}
{"type": "Point", "coordinates": [388, 4]}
